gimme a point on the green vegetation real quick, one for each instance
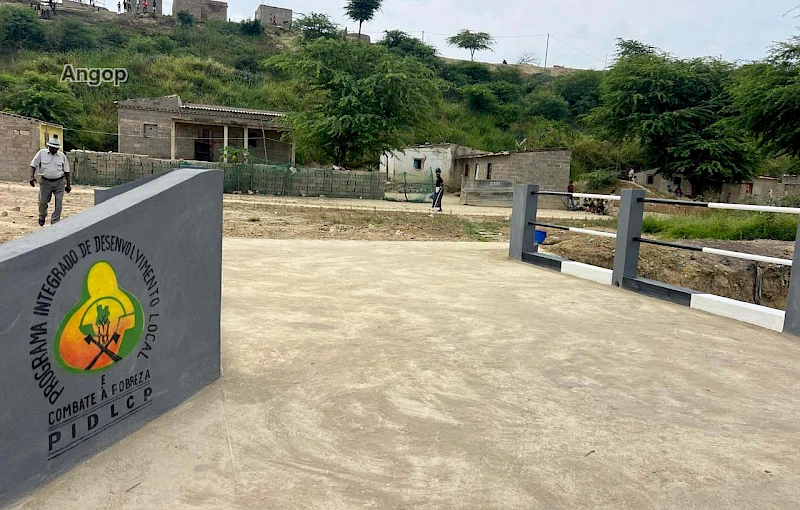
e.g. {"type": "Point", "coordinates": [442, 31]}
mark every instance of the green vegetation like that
{"type": "Point", "coordinates": [723, 225]}
{"type": "Point", "coordinates": [709, 120]}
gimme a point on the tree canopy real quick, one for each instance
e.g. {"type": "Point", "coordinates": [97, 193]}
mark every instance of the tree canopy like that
{"type": "Point", "coordinates": [362, 10]}
{"type": "Point", "coordinates": [678, 110]}
{"type": "Point", "coordinates": [360, 99]}
{"type": "Point", "coordinates": [767, 97]}
{"type": "Point", "coordinates": [472, 41]}
{"type": "Point", "coordinates": [403, 44]}
{"type": "Point", "coordinates": [316, 25]}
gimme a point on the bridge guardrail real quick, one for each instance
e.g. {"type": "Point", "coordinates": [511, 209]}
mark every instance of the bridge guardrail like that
{"type": "Point", "coordinates": [626, 256]}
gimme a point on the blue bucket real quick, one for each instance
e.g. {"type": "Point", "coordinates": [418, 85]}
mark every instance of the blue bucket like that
{"type": "Point", "coordinates": [540, 236]}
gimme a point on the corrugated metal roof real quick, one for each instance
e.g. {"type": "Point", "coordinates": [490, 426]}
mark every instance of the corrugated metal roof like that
{"type": "Point", "coordinates": [226, 109]}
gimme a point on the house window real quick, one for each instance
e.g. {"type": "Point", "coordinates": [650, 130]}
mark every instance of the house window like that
{"type": "Point", "coordinates": [150, 130]}
{"type": "Point", "coordinates": [466, 170]}
{"type": "Point", "coordinates": [252, 143]}
{"type": "Point", "coordinates": [417, 164]}
{"type": "Point", "coordinates": [651, 179]}
{"type": "Point", "coordinates": [488, 171]}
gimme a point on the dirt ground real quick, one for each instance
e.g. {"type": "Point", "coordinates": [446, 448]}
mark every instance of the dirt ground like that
{"type": "Point", "coordinates": [263, 217]}
{"type": "Point", "coordinates": [268, 217]}
{"type": "Point", "coordinates": [444, 375]}
{"type": "Point", "coordinates": [732, 278]}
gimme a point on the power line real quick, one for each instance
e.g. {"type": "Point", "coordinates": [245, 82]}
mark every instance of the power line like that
{"type": "Point", "coordinates": [576, 49]}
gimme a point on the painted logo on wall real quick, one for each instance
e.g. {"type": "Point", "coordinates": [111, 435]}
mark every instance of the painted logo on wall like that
{"type": "Point", "coordinates": [103, 327]}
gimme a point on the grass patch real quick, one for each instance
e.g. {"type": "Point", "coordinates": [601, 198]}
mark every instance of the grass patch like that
{"type": "Point", "coordinates": [723, 225]}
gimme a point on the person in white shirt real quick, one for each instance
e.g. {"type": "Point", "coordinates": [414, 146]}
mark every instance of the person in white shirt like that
{"type": "Point", "coordinates": [52, 167]}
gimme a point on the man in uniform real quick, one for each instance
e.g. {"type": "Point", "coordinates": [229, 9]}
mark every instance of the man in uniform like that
{"type": "Point", "coordinates": [52, 167]}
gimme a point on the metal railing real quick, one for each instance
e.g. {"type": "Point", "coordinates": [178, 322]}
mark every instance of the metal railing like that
{"type": "Point", "coordinates": [629, 238]}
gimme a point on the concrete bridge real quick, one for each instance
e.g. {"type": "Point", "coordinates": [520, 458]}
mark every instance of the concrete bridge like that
{"type": "Point", "coordinates": [437, 375]}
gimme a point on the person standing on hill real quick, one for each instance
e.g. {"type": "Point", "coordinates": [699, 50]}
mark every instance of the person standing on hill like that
{"type": "Point", "coordinates": [52, 167]}
{"type": "Point", "coordinates": [438, 194]}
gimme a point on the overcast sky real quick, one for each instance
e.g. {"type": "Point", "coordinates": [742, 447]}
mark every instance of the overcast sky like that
{"type": "Point", "coordinates": [734, 29]}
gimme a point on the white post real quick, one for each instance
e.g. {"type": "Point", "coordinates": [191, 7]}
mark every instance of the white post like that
{"type": "Point", "coordinates": [246, 139]}
{"type": "Point", "coordinates": [225, 139]}
{"type": "Point", "coordinates": [172, 142]}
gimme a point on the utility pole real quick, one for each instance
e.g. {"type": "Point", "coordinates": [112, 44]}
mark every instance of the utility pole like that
{"type": "Point", "coordinates": [546, 51]}
{"type": "Point", "coordinates": [423, 36]}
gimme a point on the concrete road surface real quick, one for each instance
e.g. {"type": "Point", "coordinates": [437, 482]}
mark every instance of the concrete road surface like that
{"type": "Point", "coordinates": [427, 375]}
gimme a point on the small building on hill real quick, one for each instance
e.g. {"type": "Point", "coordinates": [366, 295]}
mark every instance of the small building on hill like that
{"type": "Point", "coordinates": [274, 16]}
{"type": "Point", "coordinates": [168, 128]}
{"type": "Point", "coordinates": [20, 139]}
{"type": "Point", "coordinates": [202, 10]}
{"type": "Point", "coordinates": [426, 159]}
{"type": "Point", "coordinates": [488, 179]}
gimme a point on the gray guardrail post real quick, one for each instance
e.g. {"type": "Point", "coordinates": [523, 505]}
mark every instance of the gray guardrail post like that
{"type": "Point", "coordinates": [523, 234]}
{"type": "Point", "coordinates": [791, 324]}
{"type": "Point", "coordinates": [626, 255]}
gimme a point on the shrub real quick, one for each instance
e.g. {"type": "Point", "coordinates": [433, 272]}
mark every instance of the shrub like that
{"type": "Point", "coordinates": [479, 98]}
{"type": "Point", "coordinates": [548, 105]}
{"type": "Point", "coordinates": [251, 28]}
{"type": "Point", "coordinates": [600, 180]}
{"type": "Point", "coordinates": [20, 29]}
{"type": "Point", "coordinates": [185, 18]}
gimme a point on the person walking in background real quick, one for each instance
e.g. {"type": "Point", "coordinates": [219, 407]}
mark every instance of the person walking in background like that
{"type": "Point", "coordinates": [119, 7]}
{"type": "Point", "coordinates": [631, 175]}
{"type": "Point", "coordinates": [438, 192]}
{"type": "Point", "coordinates": [570, 199]}
{"type": "Point", "coordinates": [52, 167]}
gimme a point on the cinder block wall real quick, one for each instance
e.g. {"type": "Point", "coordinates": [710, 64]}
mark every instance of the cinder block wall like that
{"type": "Point", "coordinates": [19, 142]}
{"type": "Point", "coordinates": [283, 17]}
{"type": "Point", "coordinates": [131, 132]}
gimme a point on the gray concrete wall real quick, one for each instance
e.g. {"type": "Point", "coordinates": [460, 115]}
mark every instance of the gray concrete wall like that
{"type": "Point", "coordinates": [145, 265]}
{"type": "Point", "coordinates": [19, 142]}
{"type": "Point", "coordinates": [487, 193]}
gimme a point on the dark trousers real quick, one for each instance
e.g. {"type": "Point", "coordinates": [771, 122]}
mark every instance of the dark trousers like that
{"type": "Point", "coordinates": [437, 199]}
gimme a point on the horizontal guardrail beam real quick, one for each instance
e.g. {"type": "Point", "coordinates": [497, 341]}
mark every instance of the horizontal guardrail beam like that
{"type": "Point", "coordinates": [716, 251]}
{"type": "Point", "coordinates": [597, 233]}
{"type": "Point", "coordinates": [719, 205]}
{"type": "Point", "coordinates": [613, 198]}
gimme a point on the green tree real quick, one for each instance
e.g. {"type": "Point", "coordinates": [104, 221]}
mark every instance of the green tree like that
{"type": "Point", "coordinates": [767, 96]}
{"type": "Point", "coordinates": [679, 111]}
{"type": "Point", "coordinates": [548, 105]}
{"type": "Point", "coordinates": [405, 45]}
{"type": "Point", "coordinates": [479, 98]}
{"type": "Point", "coordinates": [472, 41]}
{"type": "Point", "coordinates": [42, 96]}
{"type": "Point", "coordinates": [315, 26]}
{"type": "Point", "coordinates": [362, 10]}
{"type": "Point", "coordinates": [20, 29]}
{"type": "Point", "coordinates": [581, 90]}
{"type": "Point", "coordinates": [359, 99]}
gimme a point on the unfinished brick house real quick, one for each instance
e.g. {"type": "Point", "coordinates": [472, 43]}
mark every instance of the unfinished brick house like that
{"type": "Point", "coordinates": [488, 179]}
{"type": "Point", "coordinates": [20, 138]}
{"type": "Point", "coordinates": [168, 128]}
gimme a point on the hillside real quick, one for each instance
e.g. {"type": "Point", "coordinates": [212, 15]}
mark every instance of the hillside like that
{"type": "Point", "coordinates": [613, 120]}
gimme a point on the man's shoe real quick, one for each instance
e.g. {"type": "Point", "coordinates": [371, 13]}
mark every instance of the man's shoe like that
{"type": "Point", "coordinates": [41, 222]}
